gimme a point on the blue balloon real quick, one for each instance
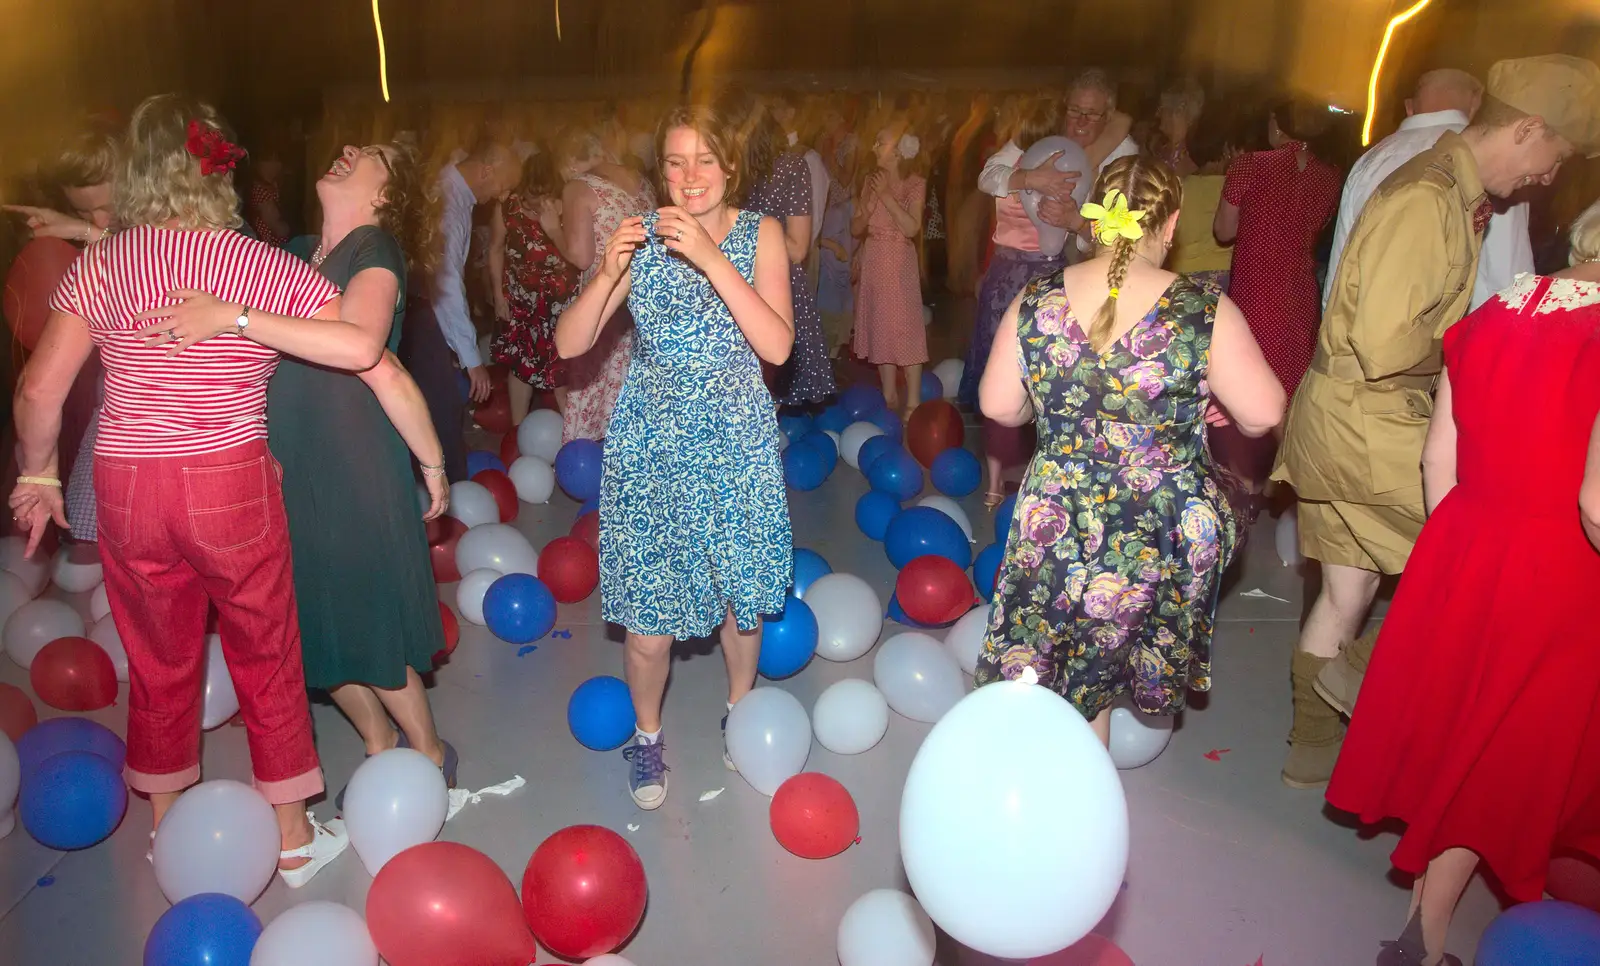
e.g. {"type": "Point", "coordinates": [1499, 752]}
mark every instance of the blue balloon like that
{"type": "Point", "coordinates": [871, 450]}
{"type": "Point", "coordinates": [794, 426]}
{"type": "Point", "coordinates": [932, 387]}
{"type": "Point", "coordinates": [787, 640]}
{"type": "Point", "coordinates": [600, 714]}
{"type": "Point", "coordinates": [1547, 933]}
{"type": "Point", "coordinates": [72, 800]}
{"type": "Point", "coordinates": [825, 445]}
{"type": "Point", "coordinates": [209, 929]}
{"type": "Point", "coordinates": [888, 422]}
{"type": "Point", "coordinates": [1002, 519]}
{"type": "Point", "coordinates": [481, 459]}
{"type": "Point", "coordinates": [578, 468]}
{"type": "Point", "coordinates": [589, 506]}
{"type": "Point", "coordinates": [896, 473]}
{"type": "Point", "coordinates": [897, 614]}
{"type": "Point", "coordinates": [835, 417]}
{"type": "Point", "coordinates": [874, 511]}
{"type": "Point", "coordinates": [861, 401]}
{"type": "Point", "coordinates": [805, 467]}
{"type": "Point", "coordinates": [519, 609]}
{"type": "Point", "coordinates": [986, 568]}
{"type": "Point", "coordinates": [809, 567]}
{"type": "Point", "coordinates": [922, 530]}
{"type": "Point", "coordinates": [956, 472]}
{"type": "Point", "coordinates": [56, 735]}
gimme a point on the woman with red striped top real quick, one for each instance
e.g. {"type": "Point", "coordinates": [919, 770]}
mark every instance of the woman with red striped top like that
{"type": "Point", "coordinates": [190, 508]}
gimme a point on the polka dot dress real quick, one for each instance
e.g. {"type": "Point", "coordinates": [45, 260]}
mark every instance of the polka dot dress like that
{"type": "Point", "coordinates": [808, 376]}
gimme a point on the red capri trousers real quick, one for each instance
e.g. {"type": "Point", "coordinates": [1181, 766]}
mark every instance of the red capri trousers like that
{"type": "Point", "coordinates": [179, 535]}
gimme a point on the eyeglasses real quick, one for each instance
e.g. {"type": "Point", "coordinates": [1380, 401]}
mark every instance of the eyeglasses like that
{"type": "Point", "coordinates": [373, 151]}
{"type": "Point", "coordinates": [1078, 112]}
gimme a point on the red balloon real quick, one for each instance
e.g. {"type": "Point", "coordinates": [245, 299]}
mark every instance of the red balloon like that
{"type": "Point", "coordinates": [934, 427]}
{"type": "Point", "coordinates": [443, 535]}
{"type": "Point", "coordinates": [510, 449]}
{"type": "Point", "coordinates": [494, 414]}
{"type": "Point", "coordinates": [570, 567]}
{"type": "Point", "coordinates": [584, 892]}
{"type": "Point", "coordinates": [1091, 950]}
{"type": "Point", "coordinates": [31, 281]}
{"type": "Point", "coordinates": [587, 529]}
{"type": "Point", "coordinates": [17, 713]}
{"type": "Point", "coordinates": [1574, 879]}
{"type": "Point", "coordinates": [814, 817]}
{"type": "Point", "coordinates": [934, 590]}
{"type": "Point", "coordinates": [452, 634]}
{"type": "Point", "coordinates": [74, 674]}
{"type": "Point", "coordinates": [503, 490]}
{"type": "Point", "coordinates": [444, 904]}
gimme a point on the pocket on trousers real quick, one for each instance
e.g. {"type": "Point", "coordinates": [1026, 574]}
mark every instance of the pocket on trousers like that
{"type": "Point", "coordinates": [113, 490]}
{"type": "Point", "coordinates": [228, 505]}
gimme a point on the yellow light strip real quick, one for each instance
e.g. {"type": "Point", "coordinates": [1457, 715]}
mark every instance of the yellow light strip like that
{"type": "Point", "coordinates": [558, 21]}
{"type": "Point", "coordinates": [1377, 67]}
{"type": "Point", "coordinates": [383, 56]}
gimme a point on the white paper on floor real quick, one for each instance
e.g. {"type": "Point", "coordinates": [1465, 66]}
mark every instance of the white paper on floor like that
{"type": "Point", "coordinates": [708, 796]}
{"type": "Point", "coordinates": [1258, 592]}
{"type": "Point", "coordinates": [460, 798]}
{"type": "Point", "coordinates": [632, 827]}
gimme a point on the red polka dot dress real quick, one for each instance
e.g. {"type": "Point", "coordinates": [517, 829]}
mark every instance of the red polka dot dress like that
{"type": "Point", "coordinates": [889, 327]}
{"type": "Point", "coordinates": [1283, 207]}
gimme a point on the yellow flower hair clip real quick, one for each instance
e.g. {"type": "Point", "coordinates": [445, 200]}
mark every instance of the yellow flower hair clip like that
{"type": "Point", "coordinates": [1112, 219]}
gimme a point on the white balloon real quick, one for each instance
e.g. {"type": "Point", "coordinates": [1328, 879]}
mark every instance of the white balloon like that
{"type": "Point", "coordinates": [917, 677]}
{"type": "Point", "coordinates": [99, 603]}
{"type": "Point", "coordinates": [1286, 537]}
{"type": "Point", "coordinates": [496, 546]}
{"type": "Point", "coordinates": [539, 435]}
{"type": "Point", "coordinates": [534, 479]}
{"type": "Point", "coordinates": [473, 504]}
{"type": "Point", "coordinates": [769, 738]}
{"type": "Point", "coordinates": [13, 594]}
{"type": "Point", "coordinates": [35, 573]}
{"type": "Point", "coordinates": [395, 800]}
{"type": "Point", "coordinates": [836, 440]}
{"type": "Point", "coordinates": [221, 701]}
{"type": "Point", "coordinates": [104, 633]}
{"type": "Point", "coordinates": [850, 717]}
{"type": "Point", "coordinates": [10, 783]}
{"type": "Point", "coordinates": [950, 372]}
{"type": "Point", "coordinates": [37, 623]}
{"type": "Point", "coordinates": [315, 933]}
{"type": "Point", "coordinates": [469, 594]}
{"type": "Point", "coordinates": [74, 577]}
{"type": "Point", "coordinates": [220, 836]}
{"type": "Point", "coordinates": [853, 438]}
{"type": "Point", "coordinates": [1138, 738]}
{"type": "Point", "coordinates": [609, 959]}
{"type": "Point", "coordinates": [1069, 156]}
{"type": "Point", "coordinates": [959, 782]}
{"type": "Point", "coordinates": [951, 509]}
{"type": "Point", "coordinates": [885, 927]}
{"type": "Point", "coordinates": [849, 616]}
{"type": "Point", "coordinates": [964, 641]}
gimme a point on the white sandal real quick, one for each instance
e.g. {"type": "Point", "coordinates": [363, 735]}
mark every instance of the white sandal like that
{"type": "Point", "coordinates": [327, 842]}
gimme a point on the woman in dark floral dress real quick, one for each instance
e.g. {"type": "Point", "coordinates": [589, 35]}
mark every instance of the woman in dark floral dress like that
{"type": "Point", "coordinates": [537, 283]}
{"type": "Point", "coordinates": [1121, 535]}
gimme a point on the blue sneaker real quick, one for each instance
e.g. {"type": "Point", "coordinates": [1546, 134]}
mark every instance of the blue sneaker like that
{"type": "Point", "coordinates": [647, 781]}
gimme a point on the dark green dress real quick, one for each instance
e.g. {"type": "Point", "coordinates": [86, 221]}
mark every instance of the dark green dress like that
{"type": "Point", "coordinates": [368, 605]}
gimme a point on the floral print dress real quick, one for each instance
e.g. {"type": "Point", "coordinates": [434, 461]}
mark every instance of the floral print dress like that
{"type": "Point", "coordinates": [1120, 536]}
{"type": "Point", "coordinates": [539, 284]}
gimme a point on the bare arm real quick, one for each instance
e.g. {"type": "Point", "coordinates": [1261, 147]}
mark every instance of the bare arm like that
{"type": "Point", "coordinates": [1239, 377]}
{"type": "Point", "coordinates": [497, 260]}
{"type": "Point", "coordinates": [1225, 225]}
{"type": "Point", "coordinates": [579, 325]}
{"type": "Point", "coordinates": [407, 410]}
{"type": "Point", "coordinates": [575, 241]}
{"type": "Point", "coordinates": [797, 237]}
{"type": "Point", "coordinates": [1003, 391]}
{"type": "Point", "coordinates": [909, 221]}
{"type": "Point", "coordinates": [764, 312]}
{"type": "Point", "coordinates": [348, 333]}
{"type": "Point", "coordinates": [1439, 449]}
{"type": "Point", "coordinates": [42, 389]}
{"type": "Point", "coordinates": [1589, 494]}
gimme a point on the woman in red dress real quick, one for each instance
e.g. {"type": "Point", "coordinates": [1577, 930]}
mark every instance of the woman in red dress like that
{"type": "Point", "coordinates": [1477, 724]}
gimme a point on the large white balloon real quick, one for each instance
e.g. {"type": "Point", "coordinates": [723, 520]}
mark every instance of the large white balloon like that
{"type": "Point", "coordinates": [917, 676]}
{"type": "Point", "coordinates": [104, 633]}
{"type": "Point", "coordinates": [609, 959]}
{"type": "Point", "coordinates": [951, 509]}
{"type": "Point", "coordinates": [35, 573]}
{"type": "Point", "coordinates": [853, 438]}
{"type": "Point", "coordinates": [1286, 537]}
{"type": "Point", "coordinates": [964, 641]}
{"type": "Point", "coordinates": [221, 701]}
{"type": "Point", "coordinates": [13, 594]}
{"type": "Point", "coordinates": [1052, 764]}
{"type": "Point", "coordinates": [473, 504]}
{"type": "Point", "coordinates": [534, 479]}
{"type": "Point", "coordinates": [395, 800]}
{"type": "Point", "coordinates": [496, 546]}
{"type": "Point", "coordinates": [10, 783]}
{"type": "Point", "coordinates": [75, 577]}
{"type": "Point", "coordinates": [539, 435]}
{"type": "Point", "coordinates": [315, 933]}
{"type": "Point", "coordinates": [1069, 156]}
{"type": "Point", "coordinates": [950, 372]}
{"type": "Point", "coordinates": [469, 594]}
{"type": "Point", "coordinates": [850, 717]}
{"type": "Point", "coordinates": [1138, 738]}
{"type": "Point", "coordinates": [769, 738]}
{"type": "Point", "coordinates": [37, 623]}
{"type": "Point", "coordinates": [99, 603]}
{"type": "Point", "coordinates": [220, 836]}
{"type": "Point", "coordinates": [885, 927]}
{"type": "Point", "coordinates": [849, 616]}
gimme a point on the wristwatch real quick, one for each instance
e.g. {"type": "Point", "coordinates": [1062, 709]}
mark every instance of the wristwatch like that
{"type": "Point", "coordinates": [243, 321]}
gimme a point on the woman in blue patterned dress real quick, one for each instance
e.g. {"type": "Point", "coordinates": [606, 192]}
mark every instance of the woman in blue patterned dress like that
{"type": "Point", "coordinates": [1120, 537]}
{"type": "Point", "coordinates": [694, 524]}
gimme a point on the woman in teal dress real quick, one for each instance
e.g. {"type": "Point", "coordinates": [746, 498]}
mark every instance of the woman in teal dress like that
{"type": "Point", "coordinates": [368, 606]}
{"type": "Point", "coordinates": [694, 522]}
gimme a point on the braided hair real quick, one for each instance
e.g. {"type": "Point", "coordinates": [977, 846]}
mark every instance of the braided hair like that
{"type": "Point", "coordinates": [1151, 186]}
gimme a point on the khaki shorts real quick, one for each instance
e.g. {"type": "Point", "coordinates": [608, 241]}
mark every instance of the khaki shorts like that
{"type": "Point", "coordinates": [1374, 538]}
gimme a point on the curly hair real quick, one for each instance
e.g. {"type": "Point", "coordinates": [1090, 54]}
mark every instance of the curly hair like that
{"type": "Point", "coordinates": [161, 180]}
{"type": "Point", "coordinates": [1151, 186]}
{"type": "Point", "coordinates": [408, 209]}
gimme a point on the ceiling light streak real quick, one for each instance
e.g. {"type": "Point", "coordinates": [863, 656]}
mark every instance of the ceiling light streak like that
{"type": "Point", "coordinates": [383, 56]}
{"type": "Point", "coordinates": [1377, 67]}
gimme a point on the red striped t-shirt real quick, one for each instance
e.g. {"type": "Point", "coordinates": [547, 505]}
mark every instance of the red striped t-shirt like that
{"type": "Point", "coordinates": [212, 395]}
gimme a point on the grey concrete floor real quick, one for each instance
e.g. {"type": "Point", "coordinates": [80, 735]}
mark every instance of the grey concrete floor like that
{"type": "Point", "coordinates": [1228, 866]}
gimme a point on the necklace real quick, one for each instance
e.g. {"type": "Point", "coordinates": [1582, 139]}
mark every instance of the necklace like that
{"type": "Point", "coordinates": [317, 256]}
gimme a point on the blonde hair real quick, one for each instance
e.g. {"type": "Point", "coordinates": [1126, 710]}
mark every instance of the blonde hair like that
{"type": "Point", "coordinates": [161, 180]}
{"type": "Point", "coordinates": [1151, 186]}
{"type": "Point", "coordinates": [91, 159]}
{"type": "Point", "coordinates": [1584, 240]}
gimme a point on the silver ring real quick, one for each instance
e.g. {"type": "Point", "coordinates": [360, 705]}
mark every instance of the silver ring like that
{"type": "Point", "coordinates": [678, 236]}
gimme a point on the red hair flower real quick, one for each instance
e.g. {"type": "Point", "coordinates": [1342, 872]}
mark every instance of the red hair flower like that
{"type": "Point", "coordinates": [216, 153]}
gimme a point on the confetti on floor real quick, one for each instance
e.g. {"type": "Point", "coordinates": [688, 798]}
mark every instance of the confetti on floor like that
{"type": "Point", "coordinates": [46, 881]}
{"type": "Point", "coordinates": [526, 649]}
{"type": "Point", "coordinates": [632, 827]}
{"type": "Point", "coordinates": [1216, 754]}
{"type": "Point", "coordinates": [708, 796]}
{"type": "Point", "coordinates": [1263, 595]}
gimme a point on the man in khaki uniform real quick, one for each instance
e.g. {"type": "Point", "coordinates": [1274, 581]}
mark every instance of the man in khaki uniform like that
{"type": "Point", "coordinates": [1352, 445]}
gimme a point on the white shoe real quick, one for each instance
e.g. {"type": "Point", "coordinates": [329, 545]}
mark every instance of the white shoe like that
{"type": "Point", "coordinates": [327, 842]}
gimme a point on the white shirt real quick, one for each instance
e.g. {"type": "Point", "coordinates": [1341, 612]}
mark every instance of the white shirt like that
{"type": "Point", "coordinates": [449, 279]}
{"type": "Point", "coordinates": [1507, 248]}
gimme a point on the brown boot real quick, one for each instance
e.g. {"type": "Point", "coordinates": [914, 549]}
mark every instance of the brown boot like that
{"type": "Point", "coordinates": [1340, 681]}
{"type": "Point", "coordinates": [1317, 733]}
